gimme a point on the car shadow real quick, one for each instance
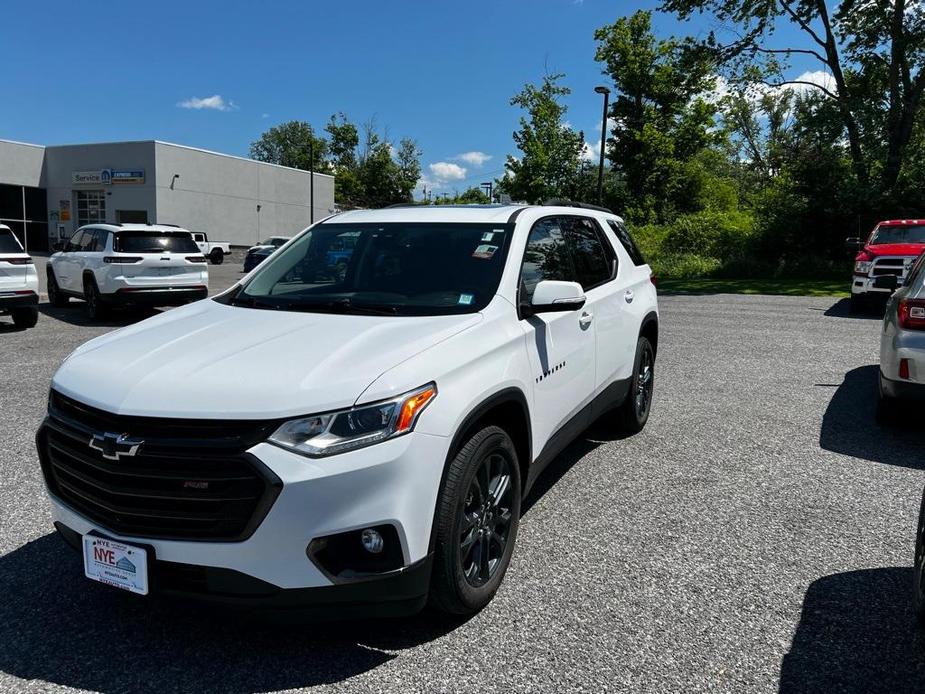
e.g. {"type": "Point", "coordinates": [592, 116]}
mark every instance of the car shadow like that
{"type": "Point", "coordinates": [842, 309]}
{"type": "Point", "coordinates": [857, 633]}
{"type": "Point", "coordinates": [58, 627]}
{"type": "Point", "coordinates": [74, 314]}
{"type": "Point", "coordinates": [850, 427]}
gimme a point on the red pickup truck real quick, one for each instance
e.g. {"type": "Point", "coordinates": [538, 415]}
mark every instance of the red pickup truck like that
{"type": "Point", "coordinates": [891, 249]}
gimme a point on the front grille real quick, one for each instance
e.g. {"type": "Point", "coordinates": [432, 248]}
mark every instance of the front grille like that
{"type": "Point", "coordinates": [190, 479]}
{"type": "Point", "coordinates": [891, 266]}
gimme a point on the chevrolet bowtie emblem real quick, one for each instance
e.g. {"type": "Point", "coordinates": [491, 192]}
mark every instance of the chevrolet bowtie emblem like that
{"type": "Point", "coordinates": [114, 446]}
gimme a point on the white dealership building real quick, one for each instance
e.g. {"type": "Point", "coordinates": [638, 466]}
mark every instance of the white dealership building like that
{"type": "Point", "coordinates": [47, 192]}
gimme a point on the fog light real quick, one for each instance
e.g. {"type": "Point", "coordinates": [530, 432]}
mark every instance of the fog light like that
{"type": "Point", "coordinates": [372, 541]}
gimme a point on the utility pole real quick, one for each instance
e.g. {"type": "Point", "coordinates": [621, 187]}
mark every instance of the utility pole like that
{"type": "Point", "coordinates": [490, 186]}
{"type": "Point", "coordinates": [311, 176]}
{"type": "Point", "coordinates": [600, 168]}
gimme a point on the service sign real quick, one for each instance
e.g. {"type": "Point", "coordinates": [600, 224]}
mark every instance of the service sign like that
{"type": "Point", "coordinates": [116, 564]}
{"type": "Point", "coordinates": [89, 178]}
{"type": "Point", "coordinates": [128, 176]}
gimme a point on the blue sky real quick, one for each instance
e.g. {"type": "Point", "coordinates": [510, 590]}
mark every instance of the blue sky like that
{"type": "Point", "coordinates": [440, 72]}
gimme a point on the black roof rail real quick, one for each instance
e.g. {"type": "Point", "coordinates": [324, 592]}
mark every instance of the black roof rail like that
{"type": "Point", "coordinates": [555, 202]}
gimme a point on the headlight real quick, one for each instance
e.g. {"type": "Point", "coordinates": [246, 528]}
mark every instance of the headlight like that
{"type": "Point", "coordinates": [336, 432]}
{"type": "Point", "coordinates": [862, 266]}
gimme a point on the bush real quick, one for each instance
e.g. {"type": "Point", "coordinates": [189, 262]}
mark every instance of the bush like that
{"type": "Point", "coordinates": [683, 266]}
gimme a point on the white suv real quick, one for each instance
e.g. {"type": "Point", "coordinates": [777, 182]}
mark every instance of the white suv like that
{"type": "Point", "coordinates": [403, 409]}
{"type": "Point", "coordinates": [128, 265]}
{"type": "Point", "coordinates": [19, 284]}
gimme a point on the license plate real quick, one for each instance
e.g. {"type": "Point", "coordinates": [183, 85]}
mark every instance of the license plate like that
{"type": "Point", "coordinates": [116, 564]}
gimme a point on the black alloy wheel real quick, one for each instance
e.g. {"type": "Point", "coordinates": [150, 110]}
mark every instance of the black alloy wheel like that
{"type": "Point", "coordinates": [485, 522]}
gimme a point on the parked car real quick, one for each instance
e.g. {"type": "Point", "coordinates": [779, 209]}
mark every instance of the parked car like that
{"type": "Point", "coordinates": [918, 566]}
{"type": "Point", "coordinates": [257, 256]}
{"type": "Point", "coordinates": [402, 413]}
{"type": "Point", "coordinates": [19, 283]}
{"type": "Point", "coordinates": [128, 265]}
{"type": "Point", "coordinates": [902, 342]}
{"type": "Point", "coordinates": [890, 249]}
{"type": "Point", "coordinates": [215, 251]}
{"type": "Point", "coordinates": [273, 242]}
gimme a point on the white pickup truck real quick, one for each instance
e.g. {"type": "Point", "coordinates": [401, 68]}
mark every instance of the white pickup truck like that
{"type": "Point", "coordinates": [214, 251]}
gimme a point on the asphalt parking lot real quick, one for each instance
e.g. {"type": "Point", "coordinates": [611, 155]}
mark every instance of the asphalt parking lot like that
{"type": "Point", "coordinates": [756, 537]}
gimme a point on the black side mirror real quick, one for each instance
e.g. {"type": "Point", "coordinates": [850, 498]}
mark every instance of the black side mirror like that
{"type": "Point", "coordinates": [890, 282]}
{"type": "Point", "coordinates": [854, 243]}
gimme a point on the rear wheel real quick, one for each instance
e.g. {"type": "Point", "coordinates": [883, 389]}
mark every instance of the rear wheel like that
{"type": "Point", "coordinates": [55, 296]}
{"type": "Point", "coordinates": [887, 407]}
{"type": "Point", "coordinates": [918, 567]}
{"type": "Point", "coordinates": [217, 256]}
{"type": "Point", "coordinates": [633, 414]}
{"type": "Point", "coordinates": [477, 519]}
{"type": "Point", "coordinates": [25, 317]}
{"type": "Point", "coordinates": [96, 309]}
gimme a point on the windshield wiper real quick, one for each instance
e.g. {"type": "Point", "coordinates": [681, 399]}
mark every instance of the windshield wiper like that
{"type": "Point", "coordinates": [344, 305]}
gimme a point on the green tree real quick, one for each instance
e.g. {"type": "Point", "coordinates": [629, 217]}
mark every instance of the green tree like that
{"type": "Point", "coordinates": [288, 144]}
{"type": "Point", "coordinates": [550, 150]}
{"type": "Point", "coordinates": [661, 120]}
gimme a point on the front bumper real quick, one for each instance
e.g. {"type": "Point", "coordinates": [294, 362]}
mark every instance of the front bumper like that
{"type": "Point", "coordinates": [10, 300]}
{"type": "Point", "coordinates": [160, 296]}
{"type": "Point", "coordinates": [398, 593]}
{"type": "Point", "coordinates": [864, 285]}
{"type": "Point", "coordinates": [391, 483]}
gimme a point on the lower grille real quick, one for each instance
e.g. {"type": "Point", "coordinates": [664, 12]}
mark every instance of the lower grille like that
{"type": "Point", "coordinates": [189, 479]}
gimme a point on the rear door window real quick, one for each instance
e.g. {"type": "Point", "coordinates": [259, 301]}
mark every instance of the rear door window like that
{"type": "Point", "coordinates": [623, 234]}
{"type": "Point", "coordinates": [154, 242]}
{"type": "Point", "coordinates": [593, 264]}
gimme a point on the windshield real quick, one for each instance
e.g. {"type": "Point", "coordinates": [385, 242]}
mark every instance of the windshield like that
{"type": "Point", "coordinates": [387, 269]}
{"type": "Point", "coordinates": [898, 234]}
{"type": "Point", "coordinates": [8, 242]}
{"type": "Point", "coordinates": [160, 242]}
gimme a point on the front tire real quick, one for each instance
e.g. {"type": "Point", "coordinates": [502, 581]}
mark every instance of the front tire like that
{"type": "Point", "coordinates": [476, 525]}
{"type": "Point", "coordinates": [633, 414]}
{"type": "Point", "coordinates": [24, 318]}
{"type": "Point", "coordinates": [217, 256]}
{"type": "Point", "coordinates": [55, 296]}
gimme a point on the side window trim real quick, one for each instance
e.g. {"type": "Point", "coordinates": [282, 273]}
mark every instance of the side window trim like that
{"type": "Point", "coordinates": [605, 245]}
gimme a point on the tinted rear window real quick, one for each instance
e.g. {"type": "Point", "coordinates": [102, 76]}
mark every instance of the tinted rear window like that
{"type": "Point", "coordinates": [148, 242]}
{"type": "Point", "coordinates": [626, 240]}
{"type": "Point", "coordinates": [8, 242]}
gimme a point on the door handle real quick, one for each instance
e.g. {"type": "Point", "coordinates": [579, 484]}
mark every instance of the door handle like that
{"type": "Point", "coordinates": [628, 296]}
{"type": "Point", "coordinates": [585, 320]}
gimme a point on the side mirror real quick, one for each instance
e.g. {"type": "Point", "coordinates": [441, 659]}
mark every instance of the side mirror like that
{"type": "Point", "coordinates": [854, 243]}
{"type": "Point", "coordinates": [890, 282]}
{"type": "Point", "coordinates": [550, 296]}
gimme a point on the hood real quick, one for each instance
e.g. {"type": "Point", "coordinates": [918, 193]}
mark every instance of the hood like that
{"type": "Point", "coordinates": [209, 360]}
{"type": "Point", "coordinates": [906, 249]}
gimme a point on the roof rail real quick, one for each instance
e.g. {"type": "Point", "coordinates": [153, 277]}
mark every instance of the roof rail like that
{"type": "Point", "coordinates": [555, 202]}
{"type": "Point", "coordinates": [404, 204]}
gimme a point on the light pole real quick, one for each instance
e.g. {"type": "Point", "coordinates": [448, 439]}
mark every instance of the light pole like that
{"type": "Point", "coordinates": [311, 176]}
{"type": "Point", "coordinates": [600, 167]}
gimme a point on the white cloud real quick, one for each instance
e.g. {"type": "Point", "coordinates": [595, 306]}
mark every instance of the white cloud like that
{"type": "Point", "coordinates": [591, 152]}
{"type": "Point", "coordinates": [475, 158]}
{"type": "Point", "coordinates": [817, 77]}
{"type": "Point", "coordinates": [215, 103]}
{"type": "Point", "coordinates": [447, 171]}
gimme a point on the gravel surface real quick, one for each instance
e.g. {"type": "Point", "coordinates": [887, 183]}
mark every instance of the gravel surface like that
{"type": "Point", "coordinates": [757, 536]}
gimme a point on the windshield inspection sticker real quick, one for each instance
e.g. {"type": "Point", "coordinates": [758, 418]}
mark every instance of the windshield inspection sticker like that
{"type": "Point", "coordinates": [465, 299]}
{"type": "Point", "coordinates": [488, 236]}
{"type": "Point", "coordinates": [484, 251]}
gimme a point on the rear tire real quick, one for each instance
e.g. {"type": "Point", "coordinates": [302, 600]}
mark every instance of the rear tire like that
{"type": "Point", "coordinates": [55, 296]}
{"type": "Point", "coordinates": [24, 318]}
{"type": "Point", "coordinates": [632, 415]}
{"type": "Point", "coordinates": [888, 408]}
{"type": "Point", "coordinates": [217, 256]}
{"type": "Point", "coordinates": [918, 566]}
{"type": "Point", "coordinates": [478, 513]}
{"type": "Point", "coordinates": [96, 309]}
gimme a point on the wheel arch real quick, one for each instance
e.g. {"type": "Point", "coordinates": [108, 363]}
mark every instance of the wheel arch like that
{"type": "Point", "coordinates": [507, 409]}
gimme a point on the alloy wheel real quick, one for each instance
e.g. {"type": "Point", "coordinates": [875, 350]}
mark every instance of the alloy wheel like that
{"type": "Point", "coordinates": [645, 380]}
{"type": "Point", "coordinates": [485, 525]}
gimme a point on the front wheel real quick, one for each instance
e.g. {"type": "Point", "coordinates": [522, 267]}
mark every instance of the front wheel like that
{"type": "Point", "coordinates": [55, 296]}
{"type": "Point", "coordinates": [477, 518]}
{"type": "Point", "coordinates": [25, 317]}
{"type": "Point", "coordinates": [633, 414]}
{"type": "Point", "coordinates": [217, 256]}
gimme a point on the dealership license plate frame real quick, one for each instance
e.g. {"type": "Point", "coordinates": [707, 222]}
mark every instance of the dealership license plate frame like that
{"type": "Point", "coordinates": [113, 573]}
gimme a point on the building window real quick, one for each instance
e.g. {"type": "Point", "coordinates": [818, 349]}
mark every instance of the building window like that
{"type": "Point", "coordinates": [91, 207]}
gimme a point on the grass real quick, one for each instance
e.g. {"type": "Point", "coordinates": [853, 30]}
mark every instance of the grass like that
{"type": "Point", "coordinates": [787, 287]}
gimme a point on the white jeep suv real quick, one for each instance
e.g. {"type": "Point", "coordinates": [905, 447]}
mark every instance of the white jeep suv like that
{"type": "Point", "coordinates": [404, 407]}
{"type": "Point", "coordinates": [19, 284]}
{"type": "Point", "coordinates": [128, 265]}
